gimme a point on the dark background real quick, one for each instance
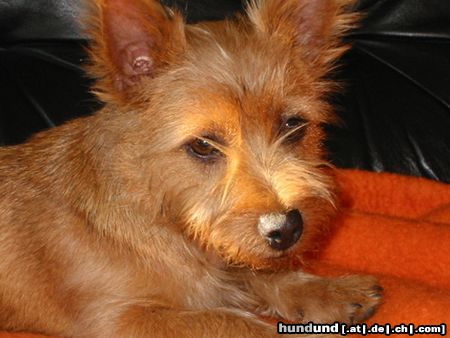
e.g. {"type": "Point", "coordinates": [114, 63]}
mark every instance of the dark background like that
{"type": "Point", "coordinates": [395, 108]}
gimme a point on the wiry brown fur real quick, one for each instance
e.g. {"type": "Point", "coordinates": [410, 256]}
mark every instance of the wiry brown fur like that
{"type": "Point", "coordinates": [110, 228]}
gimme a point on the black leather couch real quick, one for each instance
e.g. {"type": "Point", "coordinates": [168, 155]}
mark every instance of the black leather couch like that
{"type": "Point", "coordinates": [395, 109]}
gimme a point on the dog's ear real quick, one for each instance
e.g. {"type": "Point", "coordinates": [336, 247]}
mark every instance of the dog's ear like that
{"type": "Point", "coordinates": [131, 40]}
{"type": "Point", "coordinates": [313, 27]}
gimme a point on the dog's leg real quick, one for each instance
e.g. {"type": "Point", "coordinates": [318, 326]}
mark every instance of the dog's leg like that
{"type": "Point", "coordinates": [302, 297]}
{"type": "Point", "coordinates": [139, 321]}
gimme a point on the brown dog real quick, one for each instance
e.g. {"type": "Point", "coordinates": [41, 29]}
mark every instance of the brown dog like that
{"type": "Point", "coordinates": [175, 211]}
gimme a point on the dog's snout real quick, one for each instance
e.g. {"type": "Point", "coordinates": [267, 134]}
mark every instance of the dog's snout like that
{"type": "Point", "coordinates": [282, 231]}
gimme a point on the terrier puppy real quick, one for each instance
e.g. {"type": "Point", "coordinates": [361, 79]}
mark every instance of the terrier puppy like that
{"type": "Point", "coordinates": [178, 209]}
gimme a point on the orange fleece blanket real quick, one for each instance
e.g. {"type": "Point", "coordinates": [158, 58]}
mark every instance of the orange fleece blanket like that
{"type": "Point", "coordinates": [397, 228]}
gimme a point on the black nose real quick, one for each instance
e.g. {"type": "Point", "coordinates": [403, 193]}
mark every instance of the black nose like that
{"type": "Point", "coordinates": [288, 233]}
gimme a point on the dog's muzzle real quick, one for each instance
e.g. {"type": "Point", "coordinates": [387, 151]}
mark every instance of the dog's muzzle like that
{"type": "Point", "coordinates": [281, 230]}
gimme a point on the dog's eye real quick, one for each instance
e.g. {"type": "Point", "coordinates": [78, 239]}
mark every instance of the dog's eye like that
{"type": "Point", "coordinates": [201, 148]}
{"type": "Point", "coordinates": [293, 129]}
{"type": "Point", "coordinates": [294, 122]}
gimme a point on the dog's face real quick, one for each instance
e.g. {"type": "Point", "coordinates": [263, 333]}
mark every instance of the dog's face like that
{"type": "Point", "coordinates": [232, 114]}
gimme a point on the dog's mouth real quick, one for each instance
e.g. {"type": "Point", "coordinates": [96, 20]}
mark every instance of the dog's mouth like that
{"type": "Point", "coordinates": [257, 242]}
{"type": "Point", "coordinates": [282, 254]}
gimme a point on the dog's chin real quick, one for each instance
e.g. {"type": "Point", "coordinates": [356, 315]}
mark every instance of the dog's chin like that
{"type": "Point", "coordinates": [266, 258]}
{"type": "Point", "coordinates": [266, 263]}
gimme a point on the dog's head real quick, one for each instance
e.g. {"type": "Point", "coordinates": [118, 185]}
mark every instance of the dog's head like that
{"type": "Point", "coordinates": [227, 117]}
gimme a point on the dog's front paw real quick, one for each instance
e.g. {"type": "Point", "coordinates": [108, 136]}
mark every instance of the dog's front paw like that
{"type": "Point", "coordinates": [356, 297]}
{"type": "Point", "coordinates": [348, 299]}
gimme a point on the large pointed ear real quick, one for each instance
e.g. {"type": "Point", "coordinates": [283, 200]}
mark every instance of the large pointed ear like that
{"type": "Point", "coordinates": [313, 27]}
{"type": "Point", "coordinates": [131, 40]}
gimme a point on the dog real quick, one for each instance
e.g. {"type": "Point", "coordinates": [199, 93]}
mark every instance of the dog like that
{"type": "Point", "coordinates": [179, 208]}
